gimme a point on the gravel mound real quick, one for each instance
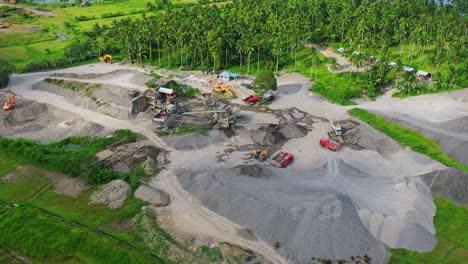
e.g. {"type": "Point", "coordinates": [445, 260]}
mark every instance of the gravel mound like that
{"type": "Point", "coordinates": [24, 111]}
{"type": "Point", "coordinates": [291, 130]}
{"type": "Point", "coordinates": [364, 137]}
{"type": "Point", "coordinates": [450, 183]}
{"type": "Point", "coordinates": [112, 194]}
{"type": "Point", "coordinates": [254, 170]}
{"type": "Point", "coordinates": [152, 195]}
{"type": "Point", "coordinates": [275, 134]}
{"type": "Point", "coordinates": [333, 211]}
{"type": "Point", "coordinates": [196, 140]}
{"type": "Point", "coordinates": [65, 185]}
{"type": "Point", "coordinates": [44, 123]}
{"type": "Point", "coordinates": [452, 135]}
{"type": "Point", "coordinates": [190, 141]}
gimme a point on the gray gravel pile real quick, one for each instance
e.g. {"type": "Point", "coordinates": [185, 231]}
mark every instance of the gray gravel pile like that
{"type": "Point", "coordinates": [450, 183]}
{"type": "Point", "coordinates": [364, 137]}
{"type": "Point", "coordinates": [306, 222]}
{"type": "Point", "coordinates": [291, 130]}
{"type": "Point", "coordinates": [254, 170]}
{"type": "Point", "coordinates": [112, 194]}
{"type": "Point", "coordinates": [196, 140]}
{"type": "Point", "coordinates": [43, 123]}
{"type": "Point", "coordinates": [452, 135]}
{"type": "Point", "coordinates": [274, 134]}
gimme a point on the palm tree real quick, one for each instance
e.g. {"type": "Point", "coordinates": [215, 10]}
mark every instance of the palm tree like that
{"type": "Point", "coordinates": [315, 62]}
{"type": "Point", "coordinates": [333, 67]}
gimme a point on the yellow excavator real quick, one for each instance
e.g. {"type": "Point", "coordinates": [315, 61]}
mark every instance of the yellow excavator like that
{"type": "Point", "coordinates": [224, 89]}
{"type": "Point", "coordinates": [106, 58]}
{"type": "Point", "coordinates": [261, 155]}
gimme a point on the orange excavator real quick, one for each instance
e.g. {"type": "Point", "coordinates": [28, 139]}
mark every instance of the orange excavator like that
{"type": "Point", "coordinates": [10, 103]}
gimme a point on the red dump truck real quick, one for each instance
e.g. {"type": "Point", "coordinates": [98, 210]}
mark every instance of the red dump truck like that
{"type": "Point", "coordinates": [330, 144]}
{"type": "Point", "coordinates": [282, 159]}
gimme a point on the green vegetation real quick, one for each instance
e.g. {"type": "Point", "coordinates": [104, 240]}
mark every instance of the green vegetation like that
{"type": "Point", "coordinates": [75, 162]}
{"type": "Point", "coordinates": [408, 137]}
{"type": "Point", "coordinates": [184, 129]}
{"type": "Point", "coordinates": [151, 84]}
{"type": "Point", "coordinates": [213, 254]}
{"type": "Point", "coordinates": [5, 70]}
{"type": "Point", "coordinates": [264, 82]}
{"type": "Point", "coordinates": [276, 40]}
{"type": "Point", "coordinates": [452, 238]}
{"type": "Point", "coordinates": [43, 236]}
{"type": "Point", "coordinates": [183, 91]}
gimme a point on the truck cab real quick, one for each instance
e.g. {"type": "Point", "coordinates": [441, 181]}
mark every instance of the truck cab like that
{"type": "Point", "coordinates": [338, 129]}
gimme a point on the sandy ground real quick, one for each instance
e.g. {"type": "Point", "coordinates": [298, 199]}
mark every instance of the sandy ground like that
{"type": "Point", "coordinates": [344, 65]}
{"type": "Point", "coordinates": [351, 202]}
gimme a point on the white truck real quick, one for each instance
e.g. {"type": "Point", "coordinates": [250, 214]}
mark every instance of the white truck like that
{"type": "Point", "coordinates": [338, 129]}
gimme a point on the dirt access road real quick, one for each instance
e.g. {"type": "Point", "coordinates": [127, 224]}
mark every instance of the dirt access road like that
{"type": "Point", "coordinates": [191, 214]}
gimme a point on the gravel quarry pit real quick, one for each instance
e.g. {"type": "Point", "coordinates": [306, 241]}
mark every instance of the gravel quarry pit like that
{"type": "Point", "coordinates": [329, 200]}
{"type": "Point", "coordinates": [371, 195]}
{"type": "Point", "coordinates": [44, 123]}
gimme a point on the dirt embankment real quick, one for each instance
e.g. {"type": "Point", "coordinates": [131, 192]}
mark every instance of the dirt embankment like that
{"type": "Point", "coordinates": [449, 183]}
{"type": "Point", "coordinates": [113, 100]}
{"type": "Point", "coordinates": [123, 156]}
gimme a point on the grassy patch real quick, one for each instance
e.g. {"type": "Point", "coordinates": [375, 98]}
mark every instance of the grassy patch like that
{"type": "Point", "coordinates": [58, 157]}
{"type": "Point", "coordinates": [183, 91]}
{"type": "Point", "coordinates": [27, 182]}
{"type": "Point", "coordinates": [452, 238]}
{"type": "Point", "coordinates": [47, 238]}
{"type": "Point", "coordinates": [408, 137]}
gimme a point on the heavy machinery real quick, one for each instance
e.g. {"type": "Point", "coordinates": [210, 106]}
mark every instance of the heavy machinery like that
{"type": "Point", "coordinates": [10, 103]}
{"type": "Point", "coordinates": [224, 89]}
{"type": "Point", "coordinates": [260, 155]}
{"type": "Point", "coordinates": [330, 144]}
{"type": "Point", "coordinates": [106, 58]}
{"type": "Point", "coordinates": [282, 159]}
{"type": "Point", "coordinates": [337, 128]}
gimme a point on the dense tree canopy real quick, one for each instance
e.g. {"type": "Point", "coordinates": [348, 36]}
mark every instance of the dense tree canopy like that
{"type": "Point", "coordinates": [243, 32]}
{"type": "Point", "coordinates": [264, 82]}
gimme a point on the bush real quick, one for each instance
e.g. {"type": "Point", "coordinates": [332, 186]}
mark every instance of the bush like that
{"type": "Point", "coordinates": [116, 14]}
{"type": "Point", "coordinates": [74, 162]}
{"type": "Point", "coordinates": [84, 18]}
{"type": "Point", "coordinates": [264, 82]}
{"type": "Point", "coordinates": [5, 70]}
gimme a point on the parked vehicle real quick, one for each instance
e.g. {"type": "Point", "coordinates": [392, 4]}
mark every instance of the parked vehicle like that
{"type": "Point", "coordinates": [282, 159]}
{"type": "Point", "coordinates": [330, 144]}
{"type": "Point", "coordinates": [251, 99]}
